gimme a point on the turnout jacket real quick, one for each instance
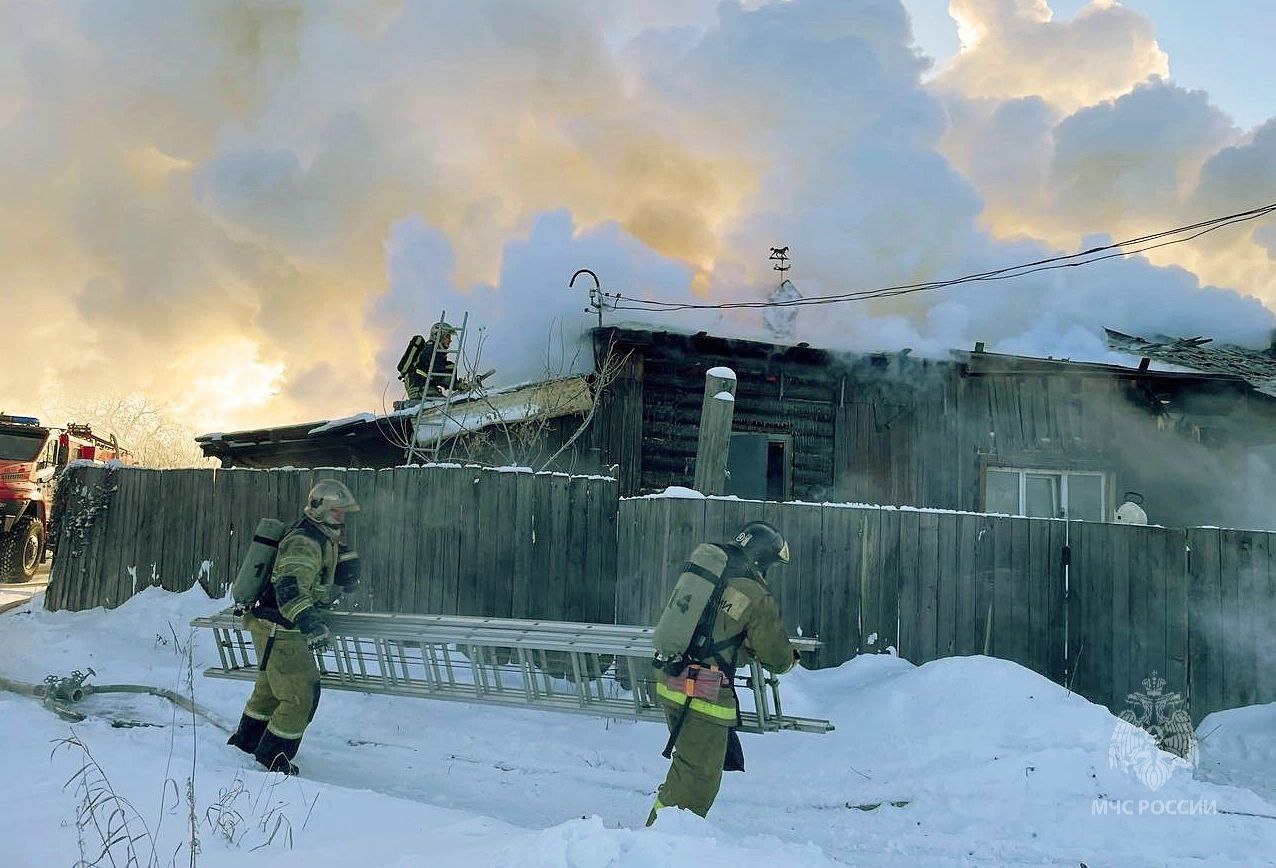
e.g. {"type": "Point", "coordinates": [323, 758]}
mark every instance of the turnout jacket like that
{"type": "Point", "coordinates": [748, 615]}
{"type": "Point", "coordinates": [303, 576]}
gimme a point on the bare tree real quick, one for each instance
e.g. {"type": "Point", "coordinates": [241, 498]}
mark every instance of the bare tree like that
{"type": "Point", "coordinates": [143, 427]}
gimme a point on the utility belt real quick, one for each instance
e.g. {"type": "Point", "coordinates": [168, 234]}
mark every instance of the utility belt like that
{"type": "Point", "coordinates": [698, 681]}
{"type": "Point", "coordinates": [274, 616]}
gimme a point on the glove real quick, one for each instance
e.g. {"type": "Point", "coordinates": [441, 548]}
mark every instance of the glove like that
{"type": "Point", "coordinates": [348, 571]}
{"type": "Point", "coordinates": [314, 629]}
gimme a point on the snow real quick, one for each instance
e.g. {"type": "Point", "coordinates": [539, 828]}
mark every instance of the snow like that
{"type": "Point", "coordinates": [676, 491]}
{"type": "Point", "coordinates": [342, 423]}
{"type": "Point", "coordinates": [725, 396]}
{"type": "Point", "coordinates": [963, 761]}
{"type": "Point", "coordinates": [721, 373]}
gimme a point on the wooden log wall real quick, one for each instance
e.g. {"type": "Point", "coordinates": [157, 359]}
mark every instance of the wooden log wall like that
{"type": "Point", "coordinates": [443, 539]}
{"type": "Point", "coordinates": [771, 398]}
{"type": "Point", "coordinates": [1099, 607]}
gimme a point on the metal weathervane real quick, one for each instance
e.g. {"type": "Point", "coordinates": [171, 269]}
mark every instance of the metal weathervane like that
{"type": "Point", "coordinates": [780, 256]}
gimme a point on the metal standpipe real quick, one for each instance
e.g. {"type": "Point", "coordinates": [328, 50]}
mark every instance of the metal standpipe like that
{"type": "Point", "coordinates": [597, 669]}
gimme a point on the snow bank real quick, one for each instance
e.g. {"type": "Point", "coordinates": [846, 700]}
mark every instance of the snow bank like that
{"type": "Point", "coordinates": [961, 761]}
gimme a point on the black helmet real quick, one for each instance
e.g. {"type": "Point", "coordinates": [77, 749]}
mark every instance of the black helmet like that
{"type": "Point", "coordinates": [763, 544]}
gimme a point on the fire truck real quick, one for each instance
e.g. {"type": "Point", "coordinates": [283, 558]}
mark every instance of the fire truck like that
{"type": "Point", "coordinates": [31, 458]}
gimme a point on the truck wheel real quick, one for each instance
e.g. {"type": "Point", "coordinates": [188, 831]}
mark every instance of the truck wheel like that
{"type": "Point", "coordinates": [20, 551]}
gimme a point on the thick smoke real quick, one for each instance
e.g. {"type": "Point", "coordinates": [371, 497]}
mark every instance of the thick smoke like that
{"type": "Point", "coordinates": [244, 209]}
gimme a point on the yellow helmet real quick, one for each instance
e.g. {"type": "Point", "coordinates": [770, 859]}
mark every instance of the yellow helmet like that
{"type": "Point", "coordinates": [327, 495]}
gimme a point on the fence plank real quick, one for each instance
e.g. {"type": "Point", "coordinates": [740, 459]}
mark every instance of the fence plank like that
{"type": "Point", "coordinates": [1017, 591]}
{"type": "Point", "coordinates": [971, 531]}
{"type": "Point", "coordinates": [521, 539]}
{"type": "Point", "coordinates": [573, 587]}
{"type": "Point", "coordinates": [455, 495]}
{"type": "Point", "coordinates": [1205, 662]}
{"type": "Point", "coordinates": [883, 611]}
{"type": "Point", "coordinates": [1244, 674]}
{"type": "Point", "coordinates": [928, 569]}
{"type": "Point", "coordinates": [1176, 605]}
{"type": "Point", "coordinates": [1057, 650]}
{"type": "Point", "coordinates": [471, 564]}
{"type": "Point", "coordinates": [870, 578]}
{"type": "Point", "coordinates": [1264, 613]}
{"type": "Point", "coordinates": [909, 595]}
{"type": "Point", "coordinates": [946, 586]}
{"type": "Point", "coordinates": [1234, 560]}
{"type": "Point", "coordinates": [839, 572]}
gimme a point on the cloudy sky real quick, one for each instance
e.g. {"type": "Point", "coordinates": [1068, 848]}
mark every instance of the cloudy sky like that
{"type": "Point", "coordinates": [242, 210]}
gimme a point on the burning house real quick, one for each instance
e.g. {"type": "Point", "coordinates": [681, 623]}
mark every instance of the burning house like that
{"type": "Point", "coordinates": [978, 431]}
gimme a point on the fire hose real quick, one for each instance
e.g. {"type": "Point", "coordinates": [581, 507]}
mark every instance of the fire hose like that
{"type": "Point", "coordinates": [58, 694]}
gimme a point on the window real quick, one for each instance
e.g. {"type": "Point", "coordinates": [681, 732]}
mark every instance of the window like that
{"type": "Point", "coordinates": [758, 466]}
{"type": "Point", "coordinates": [1078, 495]}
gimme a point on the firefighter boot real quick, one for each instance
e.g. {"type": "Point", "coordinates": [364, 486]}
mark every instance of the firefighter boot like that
{"type": "Point", "coordinates": [276, 753]}
{"type": "Point", "coordinates": [248, 735]}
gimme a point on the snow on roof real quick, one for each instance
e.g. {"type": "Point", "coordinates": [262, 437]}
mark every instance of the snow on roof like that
{"type": "Point", "coordinates": [550, 399]}
{"type": "Point", "coordinates": [334, 424]}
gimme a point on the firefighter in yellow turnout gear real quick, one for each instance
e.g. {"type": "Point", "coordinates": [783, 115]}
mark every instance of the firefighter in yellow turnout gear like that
{"type": "Point", "coordinates": [695, 689]}
{"type": "Point", "coordinates": [312, 569]}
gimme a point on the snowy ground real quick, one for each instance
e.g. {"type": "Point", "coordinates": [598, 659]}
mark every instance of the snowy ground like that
{"type": "Point", "coordinates": [970, 761]}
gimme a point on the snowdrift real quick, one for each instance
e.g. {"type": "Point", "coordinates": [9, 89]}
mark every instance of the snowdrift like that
{"type": "Point", "coordinates": [961, 761]}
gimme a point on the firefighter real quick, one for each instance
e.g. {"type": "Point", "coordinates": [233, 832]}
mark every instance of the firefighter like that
{"type": "Point", "coordinates": [427, 366]}
{"type": "Point", "coordinates": [312, 569]}
{"type": "Point", "coordinates": [747, 626]}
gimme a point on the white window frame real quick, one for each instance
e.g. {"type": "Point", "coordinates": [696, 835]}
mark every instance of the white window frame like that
{"type": "Point", "coordinates": [1063, 475]}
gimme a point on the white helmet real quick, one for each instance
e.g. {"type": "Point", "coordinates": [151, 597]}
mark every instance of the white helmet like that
{"type": "Point", "coordinates": [327, 495]}
{"type": "Point", "coordinates": [441, 330]}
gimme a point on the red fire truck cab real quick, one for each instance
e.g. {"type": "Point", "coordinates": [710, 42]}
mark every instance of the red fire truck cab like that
{"type": "Point", "coordinates": [31, 458]}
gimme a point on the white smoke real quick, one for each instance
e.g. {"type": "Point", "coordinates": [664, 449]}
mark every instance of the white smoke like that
{"type": "Point", "coordinates": [244, 209]}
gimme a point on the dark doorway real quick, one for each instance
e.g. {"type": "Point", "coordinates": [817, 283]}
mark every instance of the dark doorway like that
{"type": "Point", "coordinates": [758, 466]}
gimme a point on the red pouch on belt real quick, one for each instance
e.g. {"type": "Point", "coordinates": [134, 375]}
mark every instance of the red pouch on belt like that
{"type": "Point", "coordinates": [698, 682]}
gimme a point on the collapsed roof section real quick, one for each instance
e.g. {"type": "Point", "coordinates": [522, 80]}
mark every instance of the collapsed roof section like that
{"type": "Point", "coordinates": [1256, 367]}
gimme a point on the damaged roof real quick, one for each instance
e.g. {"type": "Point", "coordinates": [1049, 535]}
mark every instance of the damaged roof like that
{"type": "Point", "coordinates": [1257, 367]}
{"type": "Point", "coordinates": [466, 414]}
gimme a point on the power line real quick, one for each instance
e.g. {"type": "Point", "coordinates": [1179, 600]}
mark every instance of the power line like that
{"type": "Point", "coordinates": [1164, 238]}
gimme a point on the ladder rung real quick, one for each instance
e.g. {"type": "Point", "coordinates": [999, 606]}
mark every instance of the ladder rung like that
{"type": "Point", "coordinates": [600, 669]}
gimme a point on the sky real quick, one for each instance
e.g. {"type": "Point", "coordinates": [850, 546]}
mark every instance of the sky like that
{"type": "Point", "coordinates": [242, 210]}
{"type": "Point", "coordinates": [1218, 47]}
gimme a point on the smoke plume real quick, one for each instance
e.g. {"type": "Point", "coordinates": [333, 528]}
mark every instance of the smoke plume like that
{"type": "Point", "coordinates": [243, 209]}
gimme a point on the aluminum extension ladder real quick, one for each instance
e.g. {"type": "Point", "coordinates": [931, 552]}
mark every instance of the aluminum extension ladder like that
{"type": "Point", "coordinates": [415, 451]}
{"type": "Point", "coordinates": [596, 669]}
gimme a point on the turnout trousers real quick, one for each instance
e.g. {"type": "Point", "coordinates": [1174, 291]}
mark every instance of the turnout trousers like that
{"type": "Point", "coordinates": [695, 772]}
{"type": "Point", "coordinates": [286, 694]}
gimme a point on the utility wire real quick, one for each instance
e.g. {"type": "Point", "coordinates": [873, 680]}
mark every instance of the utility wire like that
{"type": "Point", "coordinates": [1163, 238]}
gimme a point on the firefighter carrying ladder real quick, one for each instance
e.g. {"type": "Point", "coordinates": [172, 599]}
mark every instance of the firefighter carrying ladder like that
{"type": "Point", "coordinates": [596, 669]}
{"type": "Point", "coordinates": [433, 414]}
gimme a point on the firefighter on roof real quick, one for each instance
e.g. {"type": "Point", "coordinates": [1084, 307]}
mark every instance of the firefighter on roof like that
{"type": "Point", "coordinates": [312, 569]}
{"type": "Point", "coordinates": [720, 616]}
{"type": "Point", "coordinates": [427, 366]}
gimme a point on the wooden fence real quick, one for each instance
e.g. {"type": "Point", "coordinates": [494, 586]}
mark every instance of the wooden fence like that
{"type": "Point", "coordinates": [448, 540]}
{"type": "Point", "coordinates": [1099, 607]}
